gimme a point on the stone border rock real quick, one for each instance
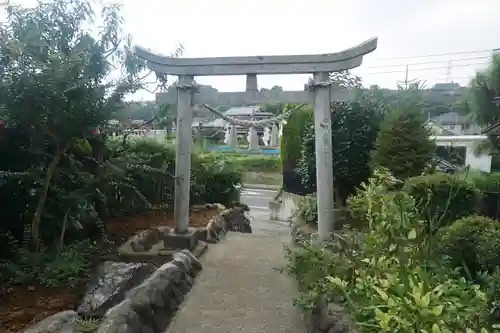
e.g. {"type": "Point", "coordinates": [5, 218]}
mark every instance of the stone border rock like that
{"type": "Point", "coordinates": [232, 219]}
{"type": "Point", "coordinates": [150, 306]}
{"type": "Point", "coordinates": [109, 284]}
{"type": "Point", "coordinates": [329, 318]}
{"type": "Point", "coordinates": [61, 322]}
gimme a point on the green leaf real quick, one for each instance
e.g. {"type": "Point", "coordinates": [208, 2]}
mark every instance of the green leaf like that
{"type": "Point", "coordinates": [412, 234]}
{"type": "Point", "coordinates": [437, 310]}
{"type": "Point", "coordinates": [435, 329]}
{"type": "Point", "coordinates": [381, 293]}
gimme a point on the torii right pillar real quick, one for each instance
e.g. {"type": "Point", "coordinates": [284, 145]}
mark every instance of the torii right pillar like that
{"type": "Point", "coordinates": [320, 85]}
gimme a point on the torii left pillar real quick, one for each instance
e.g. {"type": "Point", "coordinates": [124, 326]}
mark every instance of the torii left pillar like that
{"type": "Point", "coordinates": [184, 237]}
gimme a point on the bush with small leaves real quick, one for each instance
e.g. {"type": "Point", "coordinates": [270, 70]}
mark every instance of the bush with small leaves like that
{"type": "Point", "coordinates": [471, 243]}
{"type": "Point", "coordinates": [443, 198]}
{"type": "Point", "coordinates": [386, 279]}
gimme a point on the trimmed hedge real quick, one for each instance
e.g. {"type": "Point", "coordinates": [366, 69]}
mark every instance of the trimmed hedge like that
{"type": "Point", "coordinates": [473, 241]}
{"type": "Point", "coordinates": [250, 162]}
{"type": "Point", "coordinates": [443, 198]}
{"type": "Point", "coordinates": [291, 141]}
{"type": "Point", "coordinates": [486, 182]}
{"type": "Point", "coordinates": [214, 182]}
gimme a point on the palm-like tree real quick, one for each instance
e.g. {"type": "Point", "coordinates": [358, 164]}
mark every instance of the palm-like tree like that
{"type": "Point", "coordinates": [484, 93]}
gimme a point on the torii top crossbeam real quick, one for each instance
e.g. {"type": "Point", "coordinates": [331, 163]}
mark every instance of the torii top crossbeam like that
{"type": "Point", "coordinates": [282, 64]}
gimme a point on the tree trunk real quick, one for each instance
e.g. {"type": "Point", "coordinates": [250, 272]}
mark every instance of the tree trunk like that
{"type": "Point", "coordinates": [35, 226]}
{"type": "Point", "coordinates": [63, 231]}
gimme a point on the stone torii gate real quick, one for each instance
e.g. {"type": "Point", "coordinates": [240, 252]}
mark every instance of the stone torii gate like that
{"type": "Point", "coordinates": [319, 91]}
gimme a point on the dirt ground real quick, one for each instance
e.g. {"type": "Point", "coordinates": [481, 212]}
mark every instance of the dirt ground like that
{"type": "Point", "coordinates": [25, 305]}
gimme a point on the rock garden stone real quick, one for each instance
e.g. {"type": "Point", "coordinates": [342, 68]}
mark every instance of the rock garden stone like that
{"type": "Point", "coordinates": [108, 287]}
{"type": "Point", "coordinates": [149, 307]}
{"type": "Point", "coordinates": [121, 319]}
{"type": "Point", "coordinates": [62, 322]}
{"type": "Point", "coordinates": [195, 263]}
{"type": "Point", "coordinates": [237, 220]}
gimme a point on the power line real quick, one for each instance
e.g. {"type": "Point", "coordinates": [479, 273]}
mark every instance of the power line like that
{"type": "Point", "coordinates": [410, 69]}
{"type": "Point", "coordinates": [425, 69]}
{"type": "Point", "coordinates": [429, 62]}
{"type": "Point", "coordinates": [441, 54]}
{"type": "Point", "coordinates": [399, 71]}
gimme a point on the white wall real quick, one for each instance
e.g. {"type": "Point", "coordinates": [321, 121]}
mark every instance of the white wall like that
{"type": "Point", "coordinates": [480, 162]}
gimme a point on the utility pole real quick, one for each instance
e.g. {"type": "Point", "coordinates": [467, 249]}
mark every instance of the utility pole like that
{"type": "Point", "coordinates": [406, 84]}
{"type": "Point", "coordinates": [406, 78]}
{"type": "Point", "coordinates": [448, 72]}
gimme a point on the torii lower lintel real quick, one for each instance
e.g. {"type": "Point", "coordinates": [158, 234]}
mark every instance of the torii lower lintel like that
{"type": "Point", "coordinates": [229, 99]}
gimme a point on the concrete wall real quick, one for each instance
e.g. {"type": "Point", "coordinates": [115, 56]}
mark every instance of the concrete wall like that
{"type": "Point", "coordinates": [284, 206]}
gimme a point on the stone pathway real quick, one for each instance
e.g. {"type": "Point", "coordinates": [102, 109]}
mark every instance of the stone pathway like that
{"type": "Point", "coordinates": [239, 290]}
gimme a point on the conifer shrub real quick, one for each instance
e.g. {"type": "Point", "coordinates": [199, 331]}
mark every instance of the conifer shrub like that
{"type": "Point", "coordinates": [403, 145]}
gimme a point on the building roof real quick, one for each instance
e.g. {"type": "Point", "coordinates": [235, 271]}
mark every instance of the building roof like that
{"type": "Point", "coordinates": [446, 86]}
{"type": "Point", "coordinates": [444, 165]}
{"type": "Point", "coordinates": [216, 123]}
{"type": "Point", "coordinates": [492, 129]}
{"type": "Point", "coordinates": [452, 118]}
{"type": "Point", "coordinates": [249, 111]}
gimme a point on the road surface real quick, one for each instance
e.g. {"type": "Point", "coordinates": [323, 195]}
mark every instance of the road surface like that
{"type": "Point", "coordinates": [258, 201]}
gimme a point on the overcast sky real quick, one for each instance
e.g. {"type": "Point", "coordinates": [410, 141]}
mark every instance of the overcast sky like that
{"type": "Point", "coordinates": [411, 30]}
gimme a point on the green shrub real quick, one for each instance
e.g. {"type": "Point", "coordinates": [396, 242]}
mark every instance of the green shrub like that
{"type": "Point", "coordinates": [293, 132]}
{"type": "Point", "coordinates": [385, 278]}
{"type": "Point", "coordinates": [213, 178]}
{"type": "Point", "coordinates": [307, 209]}
{"type": "Point", "coordinates": [403, 145]}
{"type": "Point", "coordinates": [247, 162]}
{"type": "Point", "coordinates": [473, 241]}
{"type": "Point", "coordinates": [443, 198]}
{"type": "Point", "coordinates": [256, 163]}
{"type": "Point", "coordinates": [262, 163]}
{"type": "Point", "coordinates": [484, 181]}
{"type": "Point", "coordinates": [50, 267]}
{"type": "Point", "coordinates": [361, 207]}
{"type": "Point", "coordinates": [214, 181]}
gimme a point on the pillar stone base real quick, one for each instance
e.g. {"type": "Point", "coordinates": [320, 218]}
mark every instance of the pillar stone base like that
{"type": "Point", "coordinates": [173, 240]}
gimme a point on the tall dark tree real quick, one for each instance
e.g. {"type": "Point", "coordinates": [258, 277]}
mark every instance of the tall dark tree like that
{"type": "Point", "coordinates": [354, 128]}
{"type": "Point", "coordinates": [61, 81]}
